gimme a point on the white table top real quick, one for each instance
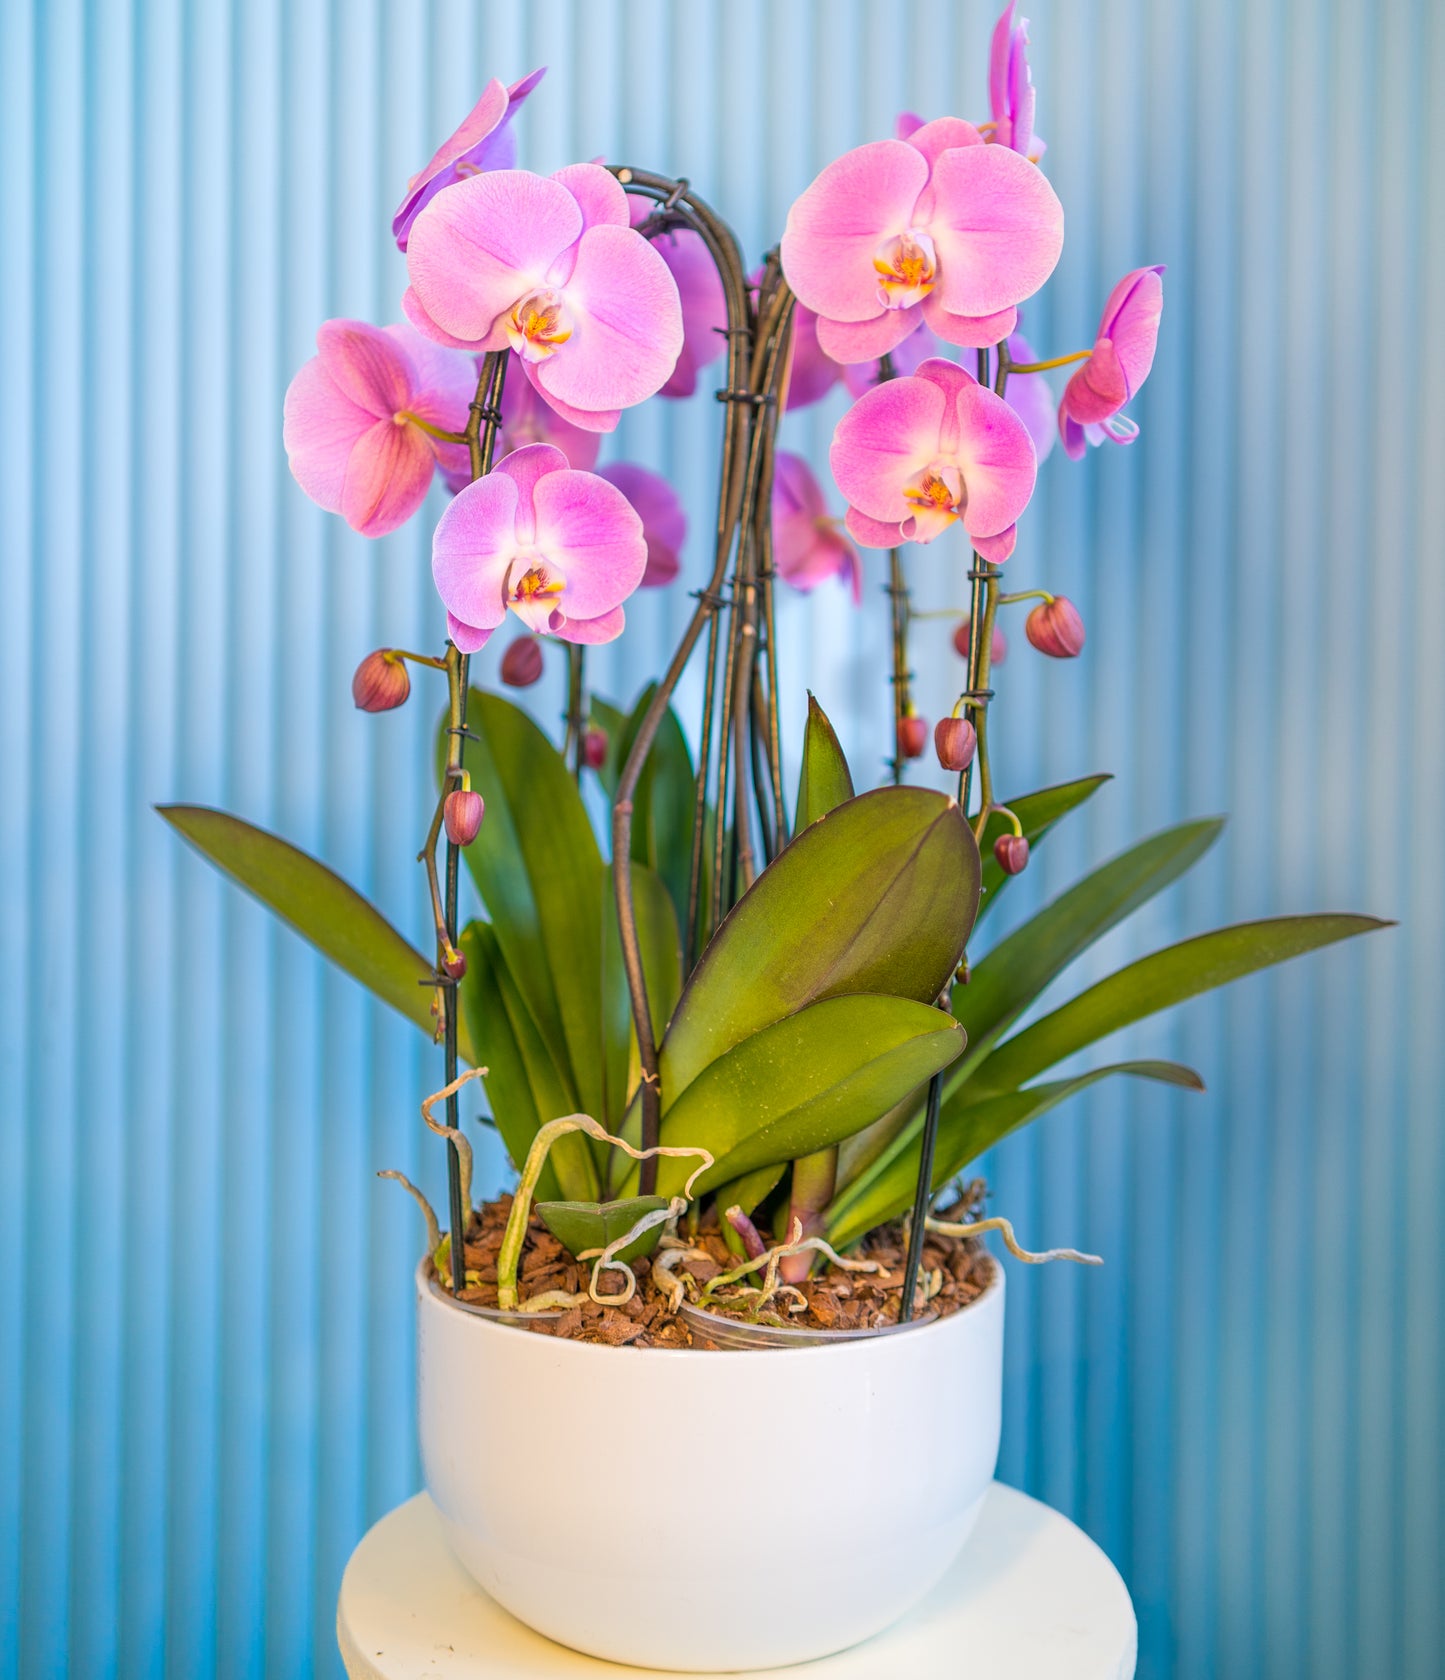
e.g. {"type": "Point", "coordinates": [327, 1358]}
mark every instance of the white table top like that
{"type": "Point", "coordinates": [1031, 1597]}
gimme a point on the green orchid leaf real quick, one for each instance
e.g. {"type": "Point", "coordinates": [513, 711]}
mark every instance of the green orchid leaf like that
{"type": "Point", "coordinates": [580, 1226]}
{"type": "Point", "coordinates": [665, 801]}
{"type": "Point", "coordinates": [321, 907]}
{"type": "Point", "coordinates": [804, 1083]}
{"type": "Point", "coordinates": [661, 951]}
{"type": "Point", "coordinates": [965, 1131]}
{"type": "Point", "coordinates": [1038, 812]}
{"type": "Point", "coordinates": [1158, 982]}
{"type": "Point", "coordinates": [538, 869]}
{"type": "Point", "coordinates": [825, 781]}
{"type": "Point", "coordinates": [613, 724]}
{"type": "Point", "coordinates": [1014, 973]}
{"type": "Point", "coordinates": [525, 1085]}
{"type": "Point", "coordinates": [878, 896]}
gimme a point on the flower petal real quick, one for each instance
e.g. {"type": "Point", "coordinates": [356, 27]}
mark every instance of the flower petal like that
{"type": "Point", "coordinates": [585, 420]}
{"type": "Point", "coordinates": [1131, 323]}
{"type": "Point", "coordinates": [474, 544]}
{"type": "Point", "coordinates": [796, 489]}
{"type": "Point", "coordinates": [320, 429]}
{"type": "Point", "coordinates": [812, 372]}
{"type": "Point", "coordinates": [1029, 396]}
{"type": "Point", "coordinates": [1098, 387]}
{"type": "Point", "coordinates": [704, 308]}
{"type": "Point", "coordinates": [588, 529]}
{"type": "Point", "coordinates": [866, 341]}
{"type": "Point", "coordinates": [942, 134]}
{"type": "Point", "coordinates": [996, 549]}
{"type": "Point", "coordinates": [970, 332]}
{"type": "Point", "coordinates": [606, 627]}
{"type": "Point", "coordinates": [484, 243]}
{"type": "Point", "coordinates": [411, 307]}
{"type": "Point", "coordinates": [600, 195]}
{"type": "Point", "coordinates": [887, 436]}
{"type": "Point", "coordinates": [489, 111]}
{"type": "Point", "coordinates": [997, 228]}
{"type": "Point", "coordinates": [387, 476]}
{"type": "Point", "coordinates": [528, 417]}
{"type": "Point", "coordinates": [664, 523]}
{"type": "Point", "coordinates": [468, 637]}
{"type": "Point", "coordinates": [836, 226]}
{"type": "Point", "coordinates": [372, 369]}
{"type": "Point", "coordinates": [628, 324]}
{"type": "Point", "coordinates": [873, 533]}
{"type": "Point", "coordinates": [997, 457]}
{"type": "Point", "coordinates": [527, 468]}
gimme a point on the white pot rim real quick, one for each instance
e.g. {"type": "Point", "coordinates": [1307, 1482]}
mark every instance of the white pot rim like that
{"type": "Point", "coordinates": [845, 1347]}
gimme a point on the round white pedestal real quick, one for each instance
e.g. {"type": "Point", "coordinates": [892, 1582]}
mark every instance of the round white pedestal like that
{"type": "Point", "coordinates": [1031, 1597]}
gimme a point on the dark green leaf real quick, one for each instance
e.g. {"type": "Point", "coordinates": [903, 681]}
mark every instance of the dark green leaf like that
{"type": "Point", "coordinates": [538, 868]}
{"type": "Point", "coordinates": [580, 1226]}
{"type": "Point", "coordinates": [965, 1131]}
{"type": "Point", "coordinates": [1013, 974]}
{"type": "Point", "coordinates": [825, 781]}
{"type": "Point", "coordinates": [1038, 812]}
{"type": "Point", "coordinates": [525, 1085]}
{"type": "Point", "coordinates": [804, 1083]}
{"type": "Point", "coordinates": [878, 896]}
{"type": "Point", "coordinates": [319, 905]}
{"type": "Point", "coordinates": [1157, 982]}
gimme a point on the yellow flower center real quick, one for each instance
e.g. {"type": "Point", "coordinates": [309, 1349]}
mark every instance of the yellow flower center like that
{"type": "Point", "coordinates": [907, 267]}
{"type": "Point", "coordinates": [538, 325]}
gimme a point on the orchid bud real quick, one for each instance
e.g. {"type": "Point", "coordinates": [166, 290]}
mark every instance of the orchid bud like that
{"type": "Point", "coordinates": [594, 749]}
{"type": "Point", "coordinates": [463, 813]}
{"type": "Point", "coordinates": [912, 735]}
{"type": "Point", "coordinates": [1055, 628]}
{"type": "Point", "coordinates": [998, 650]}
{"type": "Point", "coordinates": [381, 682]}
{"type": "Point", "coordinates": [454, 965]}
{"type": "Point", "coordinates": [1011, 852]}
{"type": "Point", "coordinates": [522, 662]}
{"type": "Point", "coordinates": [955, 742]}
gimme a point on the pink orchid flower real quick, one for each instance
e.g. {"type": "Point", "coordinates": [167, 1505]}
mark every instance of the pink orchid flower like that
{"type": "Point", "coordinates": [562, 549]}
{"type": "Point", "coordinates": [1010, 88]}
{"type": "Point", "coordinates": [704, 308]}
{"type": "Point", "coordinates": [484, 141]}
{"type": "Point", "coordinates": [1116, 367]}
{"type": "Point", "coordinates": [915, 454]}
{"type": "Point", "coordinates": [527, 418]}
{"type": "Point", "coordinates": [1029, 396]}
{"type": "Point", "coordinates": [550, 267]}
{"type": "Point", "coordinates": [906, 357]}
{"type": "Point", "coordinates": [353, 415]}
{"type": "Point", "coordinates": [664, 523]}
{"type": "Point", "coordinates": [938, 226]}
{"type": "Point", "coordinates": [808, 545]}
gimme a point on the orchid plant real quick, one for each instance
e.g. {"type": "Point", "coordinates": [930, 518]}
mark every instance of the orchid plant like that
{"type": "Point", "coordinates": [781, 1012]}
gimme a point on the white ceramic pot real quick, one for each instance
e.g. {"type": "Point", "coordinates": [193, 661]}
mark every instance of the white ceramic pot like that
{"type": "Point", "coordinates": [707, 1511]}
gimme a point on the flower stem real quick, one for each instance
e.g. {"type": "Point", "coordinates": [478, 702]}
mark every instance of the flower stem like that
{"type": "Point", "coordinates": [1053, 362]}
{"type": "Point", "coordinates": [432, 431]}
{"type": "Point", "coordinates": [897, 589]}
{"type": "Point", "coordinates": [575, 693]}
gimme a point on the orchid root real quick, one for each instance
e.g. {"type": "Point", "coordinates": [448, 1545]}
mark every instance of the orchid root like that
{"type": "Point", "coordinates": [942, 1228]}
{"type": "Point", "coordinates": [428, 1212]}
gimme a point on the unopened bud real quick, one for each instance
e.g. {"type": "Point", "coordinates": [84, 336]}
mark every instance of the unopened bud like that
{"type": "Point", "coordinates": [522, 662]}
{"type": "Point", "coordinates": [912, 735]}
{"type": "Point", "coordinates": [381, 681]}
{"type": "Point", "coordinates": [1055, 628]}
{"type": "Point", "coordinates": [454, 965]}
{"type": "Point", "coordinates": [954, 741]}
{"type": "Point", "coordinates": [998, 649]}
{"type": "Point", "coordinates": [594, 749]}
{"type": "Point", "coordinates": [463, 813]}
{"type": "Point", "coordinates": [1011, 852]}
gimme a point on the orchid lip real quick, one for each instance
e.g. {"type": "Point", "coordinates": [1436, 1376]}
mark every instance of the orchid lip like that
{"type": "Point", "coordinates": [534, 597]}
{"type": "Point", "coordinates": [907, 267]}
{"type": "Point", "coordinates": [538, 325]}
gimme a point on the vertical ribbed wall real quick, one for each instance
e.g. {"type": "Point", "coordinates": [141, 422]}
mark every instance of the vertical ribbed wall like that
{"type": "Point", "coordinates": [205, 1326]}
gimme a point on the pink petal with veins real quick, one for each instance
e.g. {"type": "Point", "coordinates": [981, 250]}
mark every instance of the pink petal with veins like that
{"type": "Point", "coordinates": [997, 228]}
{"type": "Point", "coordinates": [606, 627]}
{"type": "Point", "coordinates": [468, 637]}
{"type": "Point", "coordinates": [834, 229]}
{"type": "Point", "coordinates": [866, 341]}
{"type": "Point", "coordinates": [587, 527]}
{"type": "Point", "coordinates": [664, 523]}
{"type": "Point", "coordinates": [873, 533]}
{"type": "Point", "coordinates": [370, 368]}
{"type": "Point", "coordinates": [322, 426]}
{"type": "Point", "coordinates": [599, 194]}
{"type": "Point", "coordinates": [1131, 323]}
{"type": "Point", "coordinates": [585, 420]}
{"type": "Point", "coordinates": [887, 436]}
{"type": "Point", "coordinates": [528, 417]}
{"type": "Point", "coordinates": [941, 135]}
{"type": "Point", "coordinates": [387, 477]}
{"type": "Point", "coordinates": [996, 549]}
{"type": "Point", "coordinates": [474, 544]}
{"type": "Point", "coordinates": [483, 244]}
{"type": "Point", "coordinates": [627, 326]}
{"type": "Point", "coordinates": [970, 332]}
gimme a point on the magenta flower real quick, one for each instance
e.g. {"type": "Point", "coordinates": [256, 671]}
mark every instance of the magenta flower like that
{"type": "Point", "coordinates": [484, 141]}
{"type": "Point", "coordinates": [550, 267]}
{"type": "Point", "coordinates": [915, 454]}
{"type": "Point", "coordinates": [938, 225]}
{"type": "Point", "coordinates": [1116, 367]}
{"type": "Point", "coordinates": [704, 308]}
{"type": "Point", "coordinates": [562, 549]}
{"type": "Point", "coordinates": [664, 524]}
{"type": "Point", "coordinates": [352, 421]}
{"type": "Point", "coordinates": [1029, 396]}
{"type": "Point", "coordinates": [808, 545]}
{"type": "Point", "coordinates": [1010, 87]}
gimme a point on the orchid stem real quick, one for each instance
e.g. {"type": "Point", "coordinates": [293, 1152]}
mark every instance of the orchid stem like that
{"type": "Point", "coordinates": [575, 692]}
{"type": "Point", "coordinates": [1054, 362]}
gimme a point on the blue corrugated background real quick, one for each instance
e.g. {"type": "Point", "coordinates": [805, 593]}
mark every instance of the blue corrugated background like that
{"type": "Point", "coordinates": [205, 1332]}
